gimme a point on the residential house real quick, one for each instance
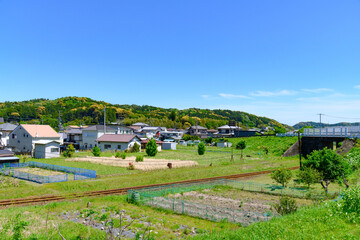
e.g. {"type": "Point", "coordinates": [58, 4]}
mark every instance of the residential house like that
{"type": "Point", "coordinates": [212, 132]}
{"type": "Point", "coordinates": [171, 135]}
{"type": "Point", "coordinates": [197, 130]}
{"type": "Point", "coordinates": [149, 132]}
{"type": "Point", "coordinates": [25, 136]}
{"type": "Point", "coordinates": [92, 133]}
{"type": "Point", "coordinates": [169, 145]}
{"type": "Point", "coordinates": [227, 131]}
{"type": "Point", "coordinates": [5, 130]}
{"type": "Point", "coordinates": [74, 137]}
{"type": "Point", "coordinates": [119, 142]}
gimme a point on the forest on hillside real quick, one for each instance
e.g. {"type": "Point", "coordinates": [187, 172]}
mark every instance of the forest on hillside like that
{"type": "Point", "coordinates": [86, 111]}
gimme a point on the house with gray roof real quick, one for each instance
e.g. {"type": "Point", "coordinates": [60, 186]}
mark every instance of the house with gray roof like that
{"type": "Point", "coordinates": [117, 142]}
{"type": "Point", "coordinates": [92, 133]}
{"type": "Point", "coordinates": [227, 131]}
{"type": "Point", "coordinates": [198, 130]}
{"type": "Point", "coordinates": [5, 130]}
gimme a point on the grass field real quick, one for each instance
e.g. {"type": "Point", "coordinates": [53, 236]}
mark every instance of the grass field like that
{"type": "Point", "coordinates": [310, 222]}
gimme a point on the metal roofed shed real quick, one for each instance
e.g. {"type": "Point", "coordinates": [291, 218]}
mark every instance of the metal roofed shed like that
{"type": "Point", "coordinates": [7, 156]}
{"type": "Point", "coordinates": [46, 149]}
{"type": "Point", "coordinates": [169, 145]}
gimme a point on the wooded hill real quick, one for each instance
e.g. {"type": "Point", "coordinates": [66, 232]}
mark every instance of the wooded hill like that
{"type": "Point", "coordinates": [86, 111]}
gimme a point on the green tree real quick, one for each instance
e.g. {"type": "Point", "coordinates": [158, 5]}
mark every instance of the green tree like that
{"type": "Point", "coordinates": [282, 176]}
{"type": "Point", "coordinates": [172, 115]}
{"type": "Point", "coordinates": [201, 148]}
{"type": "Point", "coordinates": [209, 140]}
{"type": "Point", "coordinates": [151, 148]}
{"type": "Point", "coordinates": [69, 152]}
{"type": "Point", "coordinates": [330, 165]}
{"type": "Point", "coordinates": [241, 145]}
{"type": "Point", "coordinates": [286, 205]}
{"type": "Point", "coordinates": [308, 176]}
{"type": "Point", "coordinates": [136, 148]}
{"type": "Point", "coordinates": [96, 151]}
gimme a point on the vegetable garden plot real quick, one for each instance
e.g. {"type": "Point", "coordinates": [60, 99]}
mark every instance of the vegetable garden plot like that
{"type": "Point", "coordinates": [163, 197]}
{"type": "Point", "coordinates": [60, 172]}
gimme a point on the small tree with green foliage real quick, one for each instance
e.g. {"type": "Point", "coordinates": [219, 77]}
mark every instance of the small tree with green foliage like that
{"type": "Point", "coordinates": [330, 165]}
{"type": "Point", "coordinates": [282, 176]}
{"type": "Point", "coordinates": [136, 148]}
{"type": "Point", "coordinates": [209, 140]}
{"type": "Point", "coordinates": [69, 152]}
{"type": "Point", "coordinates": [96, 151]}
{"type": "Point", "coordinates": [241, 145]}
{"type": "Point", "coordinates": [139, 158]}
{"type": "Point", "coordinates": [151, 148]}
{"type": "Point", "coordinates": [201, 148]}
{"type": "Point", "coordinates": [308, 176]}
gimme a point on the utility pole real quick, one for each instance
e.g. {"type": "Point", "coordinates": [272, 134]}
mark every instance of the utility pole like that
{"type": "Point", "coordinates": [299, 139]}
{"type": "Point", "coordinates": [320, 114]}
{"type": "Point", "coordinates": [104, 120]}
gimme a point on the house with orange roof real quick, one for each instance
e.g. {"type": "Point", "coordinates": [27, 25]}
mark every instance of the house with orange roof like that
{"type": "Point", "coordinates": [41, 141]}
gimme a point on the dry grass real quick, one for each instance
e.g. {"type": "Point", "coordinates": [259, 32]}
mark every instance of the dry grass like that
{"type": "Point", "coordinates": [147, 164]}
{"type": "Point", "coordinates": [39, 171]}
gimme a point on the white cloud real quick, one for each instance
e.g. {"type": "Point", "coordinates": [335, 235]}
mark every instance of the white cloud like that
{"type": "Point", "coordinates": [205, 96]}
{"type": "Point", "coordinates": [357, 87]}
{"type": "Point", "coordinates": [273, 94]}
{"type": "Point", "coordinates": [230, 96]}
{"type": "Point", "coordinates": [318, 90]}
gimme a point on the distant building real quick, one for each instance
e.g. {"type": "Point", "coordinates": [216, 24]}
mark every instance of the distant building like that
{"type": "Point", "coordinates": [171, 135]}
{"type": "Point", "coordinates": [92, 133]}
{"type": "Point", "coordinates": [118, 142]}
{"type": "Point", "coordinates": [227, 131]}
{"type": "Point", "coordinates": [149, 132]}
{"type": "Point", "coordinates": [198, 130]}
{"type": "Point", "coordinates": [25, 136]}
{"type": "Point", "coordinates": [5, 130]}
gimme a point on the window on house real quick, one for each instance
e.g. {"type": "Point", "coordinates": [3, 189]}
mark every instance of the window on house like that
{"type": "Point", "coordinates": [14, 136]}
{"type": "Point", "coordinates": [107, 146]}
{"type": "Point", "coordinates": [54, 149]}
{"type": "Point", "coordinates": [119, 147]}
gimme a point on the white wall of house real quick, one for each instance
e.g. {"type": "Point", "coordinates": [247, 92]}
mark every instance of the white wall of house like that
{"type": "Point", "coordinates": [116, 146]}
{"type": "Point", "coordinates": [49, 150]}
{"type": "Point", "coordinates": [89, 138]}
{"type": "Point", "coordinates": [169, 146]}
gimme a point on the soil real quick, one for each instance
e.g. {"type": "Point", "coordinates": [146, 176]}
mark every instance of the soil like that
{"type": "Point", "coordinates": [39, 171]}
{"type": "Point", "coordinates": [147, 164]}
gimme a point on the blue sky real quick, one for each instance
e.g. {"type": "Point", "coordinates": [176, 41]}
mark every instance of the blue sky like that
{"type": "Point", "coordinates": [287, 60]}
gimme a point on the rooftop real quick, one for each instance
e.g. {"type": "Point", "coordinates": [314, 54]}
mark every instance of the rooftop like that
{"type": "Point", "coordinates": [40, 130]}
{"type": "Point", "coordinates": [117, 138]}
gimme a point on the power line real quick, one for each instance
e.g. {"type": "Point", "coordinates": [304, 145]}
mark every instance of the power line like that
{"type": "Point", "coordinates": [340, 117]}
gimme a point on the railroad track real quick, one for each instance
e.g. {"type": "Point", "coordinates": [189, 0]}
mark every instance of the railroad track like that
{"type": "Point", "coordinates": [119, 191]}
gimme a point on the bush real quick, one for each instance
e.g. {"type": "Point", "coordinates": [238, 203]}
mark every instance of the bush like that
{"type": "Point", "coordinates": [135, 148]}
{"type": "Point", "coordinates": [282, 176]}
{"type": "Point", "coordinates": [117, 154]}
{"type": "Point", "coordinates": [348, 205]}
{"type": "Point", "coordinates": [209, 140]}
{"type": "Point", "coordinates": [123, 155]}
{"type": "Point", "coordinates": [151, 148]}
{"type": "Point", "coordinates": [69, 152]}
{"type": "Point", "coordinates": [285, 206]}
{"type": "Point", "coordinates": [139, 158]}
{"type": "Point", "coordinates": [201, 148]}
{"type": "Point", "coordinates": [96, 151]}
{"type": "Point", "coordinates": [353, 158]}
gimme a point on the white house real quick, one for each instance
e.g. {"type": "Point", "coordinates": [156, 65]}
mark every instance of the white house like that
{"type": "Point", "coordinates": [5, 130]}
{"type": "Point", "coordinates": [118, 142]}
{"type": "Point", "coordinates": [227, 131]}
{"type": "Point", "coordinates": [47, 149]}
{"type": "Point", "coordinates": [92, 133]}
{"type": "Point", "coordinates": [149, 132]}
{"type": "Point", "coordinates": [177, 136]}
{"type": "Point", "coordinates": [25, 136]}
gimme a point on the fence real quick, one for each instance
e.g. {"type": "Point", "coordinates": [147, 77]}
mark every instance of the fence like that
{"type": "Point", "coordinates": [279, 190]}
{"type": "Point", "coordinates": [157, 197]}
{"type": "Point", "coordinates": [79, 173]}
